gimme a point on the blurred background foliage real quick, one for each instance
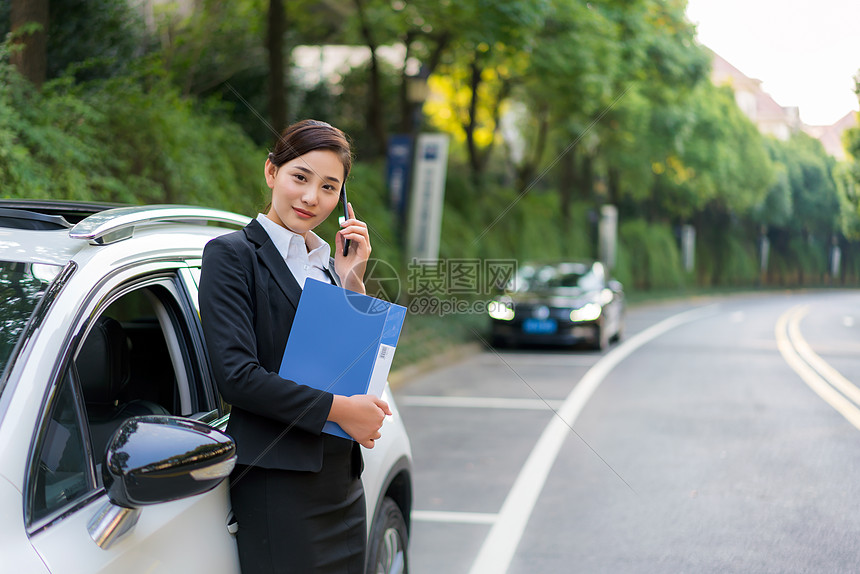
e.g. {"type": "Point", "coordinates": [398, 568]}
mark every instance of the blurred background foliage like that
{"type": "Point", "coordinates": [554, 108]}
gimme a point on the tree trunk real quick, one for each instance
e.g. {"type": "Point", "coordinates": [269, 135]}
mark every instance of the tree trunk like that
{"type": "Point", "coordinates": [375, 122]}
{"type": "Point", "coordinates": [526, 172]}
{"type": "Point", "coordinates": [565, 189]}
{"type": "Point", "coordinates": [586, 180]}
{"type": "Point", "coordinates": [30, 55]}
{"type": "Point", "coordinates": [577, 173]}
{"type": "Point", "coordinates": [471, 146]}
{"type": "Point", "coordinates": [442, 41]}
{"type": "Point", "coordinates": [409, 119]}
{"type": "Point", "coordinates": [407, 122]}
{"type": "Point", "coordinates": [484, 157]}
{"type": "Point", "coordinates": [613, 185]}
{"type": "Point", "coordinates": [277, 27]}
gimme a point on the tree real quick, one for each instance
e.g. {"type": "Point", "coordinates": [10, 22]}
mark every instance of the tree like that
{"type": "Point", "coordinates": [660, 65]}
{"type": "Point", "coordinates": [349, 108]}
{"type": "Point", "coordinates": [375, 122]}
{"type": "Point", "coordinates": [720, 162]}
{"type": "Point", "coordinates": [814, 195]}
{"type": "Point", "coordinates": [427, 29]}
{"type": "Point", "coordinates": [777, 208]}
{"type": "Point", "coordinates": [220, 49]}
{"type": "Point", "coordinates": [96, 38]}
{"type": "Point", "coordinates": [485, 61]}
{"type": "Point", "coordinates": [848, 189]}
{"type": "Point", "coordinates": [570, 76]}
{"type": "Point", "coordinates": [29, 26]}
{"type": "Point", "coordinates": [849, 178]}
{"type": "Point", "coordinates": [277, 26]}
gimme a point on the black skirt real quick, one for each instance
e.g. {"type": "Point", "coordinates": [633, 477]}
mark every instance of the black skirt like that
{"type": "Point", "coordinates": [302, 522]}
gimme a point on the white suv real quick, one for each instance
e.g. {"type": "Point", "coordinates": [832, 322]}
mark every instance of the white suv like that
{"type": "Point", "coordinates": [112, 450]}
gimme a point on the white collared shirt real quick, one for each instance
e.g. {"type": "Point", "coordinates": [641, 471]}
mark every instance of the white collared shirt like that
{"type": "Point", "coordinates": [294, 249]}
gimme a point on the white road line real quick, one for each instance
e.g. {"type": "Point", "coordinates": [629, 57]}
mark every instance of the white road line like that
{"type": "Point", "coordinates": [454, 517]}
{"type": "Point", "coordinates": [477, 402]}
{"type": "Point", "coordinates": [818, 382]}
{"type": "Point", "coordinates": [504, 537]}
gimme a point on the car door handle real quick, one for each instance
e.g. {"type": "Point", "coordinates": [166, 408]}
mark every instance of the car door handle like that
{"type": "Point", "coordinates": [232, 524]}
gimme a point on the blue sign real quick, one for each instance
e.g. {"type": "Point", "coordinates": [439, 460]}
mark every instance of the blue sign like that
{"type": "Point", "coordinates": [399, 164]}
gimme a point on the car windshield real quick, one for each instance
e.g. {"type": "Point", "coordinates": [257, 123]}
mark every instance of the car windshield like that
{"type": "Point", "coordinates": [22, 286]}
{"type": "Point", "coordinates": [558, 279]}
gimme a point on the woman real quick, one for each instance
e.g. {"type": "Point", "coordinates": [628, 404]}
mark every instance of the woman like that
{"type": "Point", "coordinates": [296, 492]}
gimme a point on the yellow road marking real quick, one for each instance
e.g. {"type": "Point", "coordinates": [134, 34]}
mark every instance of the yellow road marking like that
{"type": "Point", "coordinates": [823, 379]}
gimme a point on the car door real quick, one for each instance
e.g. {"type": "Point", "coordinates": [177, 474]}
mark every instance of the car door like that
{"type": "Point", "coordinates": [133, 354]}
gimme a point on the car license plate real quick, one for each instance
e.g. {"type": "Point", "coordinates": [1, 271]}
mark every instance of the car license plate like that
{"type": "Point", "coordinates": [539, 326]}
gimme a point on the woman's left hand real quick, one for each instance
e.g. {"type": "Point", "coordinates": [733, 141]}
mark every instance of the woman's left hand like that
{"type": "Point", "coordinates": [351, 268]}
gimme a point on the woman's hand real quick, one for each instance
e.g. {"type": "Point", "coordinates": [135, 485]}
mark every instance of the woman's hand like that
{"type": "Point", "coordinates": [360, 416]}
{"type": "Point", "coordinates": [351, 268]}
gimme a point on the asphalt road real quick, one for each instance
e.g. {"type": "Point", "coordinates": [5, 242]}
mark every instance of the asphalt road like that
{"type": "Point", "coordinates": [721, 435]}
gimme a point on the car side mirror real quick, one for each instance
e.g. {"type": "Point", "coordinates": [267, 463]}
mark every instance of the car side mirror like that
{"type": "Point", "coordinates": [152, 459]}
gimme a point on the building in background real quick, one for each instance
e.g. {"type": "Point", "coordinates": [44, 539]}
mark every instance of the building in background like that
{"type": "Point", "coordinates": [770, 117]}
{"type": "Point", "coordinates": [831, 136]}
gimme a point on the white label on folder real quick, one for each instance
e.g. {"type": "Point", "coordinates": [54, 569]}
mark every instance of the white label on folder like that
{"type": "Point", "coordinates": [380, 370]}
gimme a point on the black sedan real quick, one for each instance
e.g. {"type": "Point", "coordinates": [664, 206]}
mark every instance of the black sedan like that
{"type": "Point", "coordinates": [559, 303]}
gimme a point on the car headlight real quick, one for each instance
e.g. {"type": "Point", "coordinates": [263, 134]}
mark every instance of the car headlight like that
{"type": "Point", "coordinates": [588, 312]}
{"type": "Point", "coordinates": [501, 311]}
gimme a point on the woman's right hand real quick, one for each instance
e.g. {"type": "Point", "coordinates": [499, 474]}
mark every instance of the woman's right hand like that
{"type": "Point", "coordinates": [360, 416]}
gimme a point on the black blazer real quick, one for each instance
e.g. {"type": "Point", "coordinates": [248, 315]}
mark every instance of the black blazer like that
{"type": "Point", "coordinates": [248, 298]}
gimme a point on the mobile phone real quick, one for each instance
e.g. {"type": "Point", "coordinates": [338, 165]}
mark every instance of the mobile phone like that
{"type": "Point", "coordinates": [345, 217]}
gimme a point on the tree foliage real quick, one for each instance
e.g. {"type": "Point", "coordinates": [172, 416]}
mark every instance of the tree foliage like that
{"type": "Point", "coordinates": [118, 140]}
{"type": "Point", "coordinates": [848, 181]}
{"type": "Point", "coordinates": [98, 38]}
{"type": "Point", "coordinates": [554, 107]}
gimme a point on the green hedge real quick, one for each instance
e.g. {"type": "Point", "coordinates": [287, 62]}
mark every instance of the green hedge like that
{"type": "Point", "coordinates": [803, 262]}
{"type": "Point", "coordinates": [128, 139]}
{"type": "Point", "coordinates": [649, 256]}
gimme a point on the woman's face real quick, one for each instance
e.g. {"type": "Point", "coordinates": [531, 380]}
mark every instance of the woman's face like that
{"type": "Point", "coordinates": [305, 190]}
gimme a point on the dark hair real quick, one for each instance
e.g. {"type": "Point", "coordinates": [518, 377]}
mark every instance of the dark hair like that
{"type": "Point", "coordinates": [311, 135]}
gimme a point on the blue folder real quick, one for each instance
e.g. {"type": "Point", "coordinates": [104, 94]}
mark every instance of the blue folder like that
{"type": "Point", "coordinates": [342, 342]}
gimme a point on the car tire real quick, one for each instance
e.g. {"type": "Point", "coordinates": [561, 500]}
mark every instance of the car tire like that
{"type": "Point", "coordinates": [601, 337]}
{"type": "Point", "coordinates": [619, 334]}
{"type": "Point", "coordinates": [389, 539]}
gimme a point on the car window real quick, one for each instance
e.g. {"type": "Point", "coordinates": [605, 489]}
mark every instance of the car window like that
{"type": "Point", "coordinates": [564, 277]}
{"type": "Point", "coordinates": [135, 360]}
{"type": "Point", "coordinates": [22, 286]}
{"type": "Point", "coordinates": [566, 280]}
{"type": "Point", "coordinates": [591, 281]}
{"type": "Point", "coordinates": [62, 471]}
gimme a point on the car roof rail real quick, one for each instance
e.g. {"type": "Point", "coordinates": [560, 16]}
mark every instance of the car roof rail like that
{"type": "Point", "coordinates": [114, 225]}
{"type": "Point", "coordinates": [25, 219]}
{"type": "Point", "coordinates": [71, 211]}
